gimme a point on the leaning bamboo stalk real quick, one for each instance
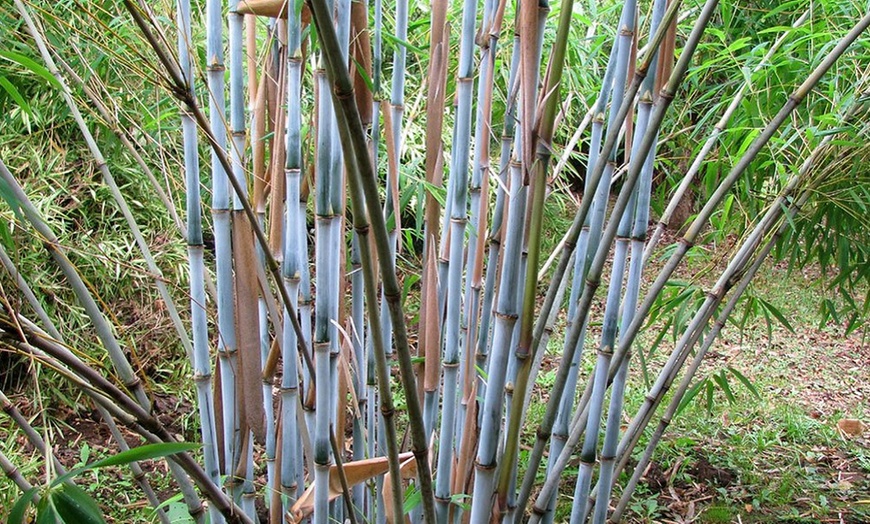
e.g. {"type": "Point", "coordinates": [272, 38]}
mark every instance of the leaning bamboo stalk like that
{"type": "Point", "coordinates": [363, 184]}
{"type": "Point", "coordinates": [680, 353]}
{"type": "Point", "coordinates": [180, 91]}
{"type": "Point", "coordinates": [36, 439]}
{"type": "Point", "coordinates": [381, 366]}
{"type": "Point", "coordinates": [783, 205]}
{"type": "Point", "coordinates": [581, 258]}
{"type": "Point", "coordinates": [593, 277]}
{"type": "Point", "coordinates": [693, 232]}
{"type": "Point", "coordinates": [676, 400]}
{"type": "Point", "coordinates": [377, 438]}
{"type": "Point", "coordinates": [123, 135]}
{"type": "Point", "coordinates": [80, 289]}
{"type": "Point", "coordinates": [29, 296]}
{"type": "Point", "coordinates": [542, 146]}
{"type": "Point", "coordinates": [713, 138]}
{"type": "Point", "coordinates": [119, 403]}
{"type": "Point", "coordinates": [107, 178]}
{"type": "Point", "coordinates": [14, 474]}
{"type": "Point", "coordinates": [36, 344]}
{"type": "Point", "coordinates": [30, 433]}
{"type": "Point", "coordinates": [636, 219]}
{"type": "Point", "coordinates": [583, 221]}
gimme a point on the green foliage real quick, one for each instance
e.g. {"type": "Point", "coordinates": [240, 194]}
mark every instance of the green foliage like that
{"type": "Point", "coordinates": [64, 502]}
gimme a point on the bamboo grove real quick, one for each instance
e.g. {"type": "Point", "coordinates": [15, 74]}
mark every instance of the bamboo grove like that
{"type": "Point", "coordinates": [294, 338]}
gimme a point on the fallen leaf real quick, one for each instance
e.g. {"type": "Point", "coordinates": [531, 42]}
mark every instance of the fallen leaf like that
{"type": "Point", "coordinates": [851, 427]}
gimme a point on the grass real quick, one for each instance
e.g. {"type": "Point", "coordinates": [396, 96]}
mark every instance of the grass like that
{"type": "Point", "coordinates": [780, 458]}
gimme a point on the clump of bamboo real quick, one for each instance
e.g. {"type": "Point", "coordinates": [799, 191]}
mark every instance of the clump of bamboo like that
{"type": "Point", "coordinates": [288, 147]}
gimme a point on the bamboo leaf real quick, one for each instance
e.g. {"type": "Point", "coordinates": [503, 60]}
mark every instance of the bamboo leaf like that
{"type": "Point", "coordinates": [13, 92]}
{"type": "Point", "coordinates": [148, 451]}
{"type": "Point", "coordinates": [31, 66]}
{"type": "Point", "coordinates": [74, 506]}
{"type": "Point", "coordinates": [404, 43]}
{"type": "Point", "coordinates": [413, 498]}
{"type": "Point", "coordinates": [45, 511]}
{"type": "Point", "coordinates": [742, 378]}
{"type": "Point", "coordinates": [723, 385]}
{"type": "Point", "coordinates": [690, 395]}
{"type": "Point", "coordinates": [776, 313]}
{"type": "Point", "coordinates": [19, 509]}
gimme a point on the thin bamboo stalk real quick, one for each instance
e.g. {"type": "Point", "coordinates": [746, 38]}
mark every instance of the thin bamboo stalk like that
{"type": "Point", "coordinates": [493, 16]}
{"type": "Point", "coordinates": [506, 313]}
{"type": "Point", "coordinates": [122, 406]}
{"type": "Point", "coordinates": [30, 433]}
{"type": "Point", "coordinates": [225, 416]}
{"type": "Point", "coordinates": [14, 474]}
{"type": "Point", "coordinates": [563, 414]}
{"type": "Point", "coordinates": [109, 180]}
{"type": "Point", "coordinates": [634, 225]}
{"type": "Point", "coordinates": [361, 50]}
{"type": "Point", "coordinates": [199, 355]}
{"type": "Point", "coordinates": [457, 195]}
{"type": "Point", "coordinates": [363, 183]}
{"type": "Point", "coordinates": [676, 400]}
{"type": "Point", "coordinates": [783, 205]}
{"type": "Point", "coordinates": [593, 277]}
{"type": "Point", "coordinates": [58, 253]}
{"type": "Point", "coordinates": [29, 296]}
{"type": "Point", "coordinates": [495, 233]}
{"type": "Point", "coordinates": [692, 233]}
{"type": "Point", "coordinates": [123, 135]}
{"type": "Point", "coordinates": [294, 265]}
{"type": "Point", "coordinates": [430, 317]}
